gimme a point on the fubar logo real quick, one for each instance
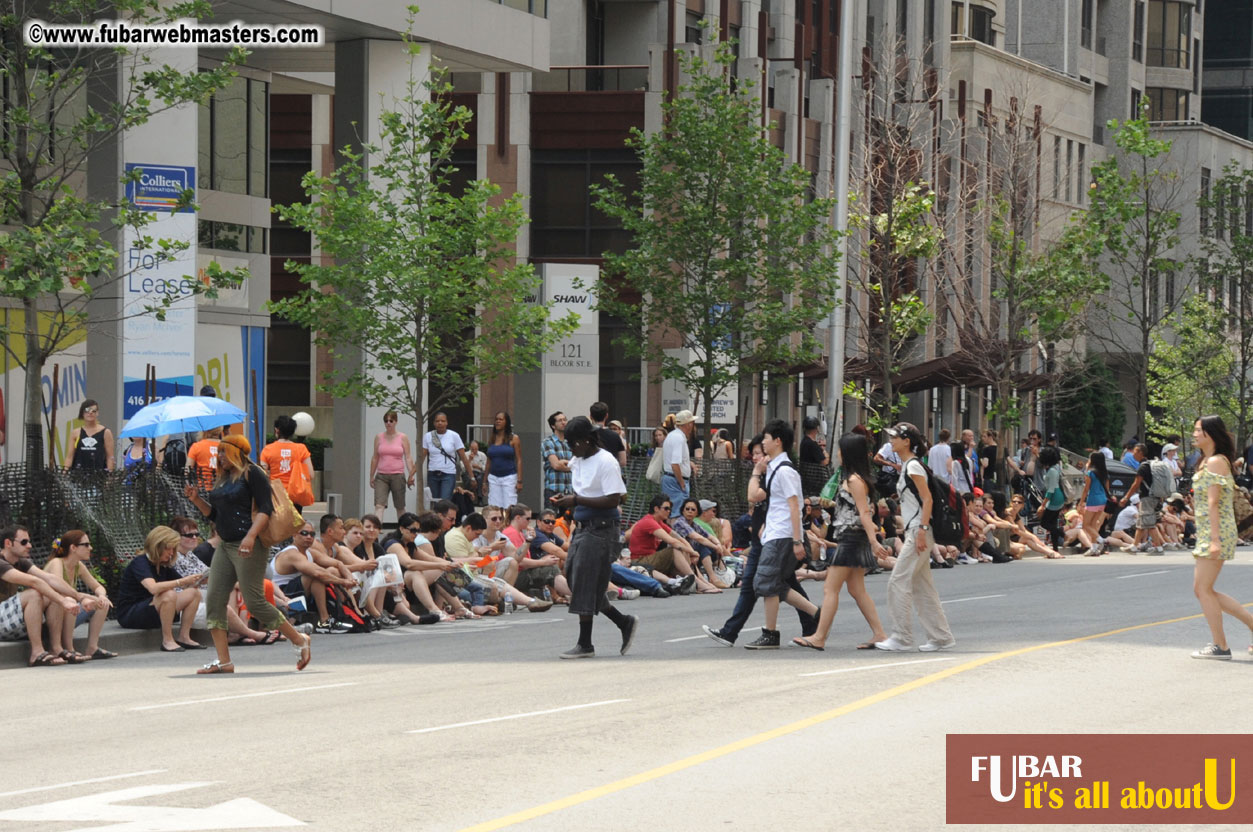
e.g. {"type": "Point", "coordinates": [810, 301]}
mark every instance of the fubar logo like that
{"type": "Point", "coordinates": [1099, 778]}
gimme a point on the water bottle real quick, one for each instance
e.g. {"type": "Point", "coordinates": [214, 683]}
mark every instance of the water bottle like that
{"type": "Point", "coordinates": [509, 604]}
{"type": "Point", "coordinates": [548, 596]}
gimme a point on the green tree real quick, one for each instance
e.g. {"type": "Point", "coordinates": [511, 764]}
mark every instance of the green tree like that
{"type": "Point", "coordinates": [416, 266]}
{"type": "Point", "coordinates": [57, 254]}
{"type": "Point", "coordinates": [1134, 212]}
{"type": "Point", "coordinates": [1094, 406]}
{"type": "Point", "coordinates": [1194, 372]}
{"type": "Point", "coordinates": [1225, 271]}
{"type": "Point", "coordinates": [730, 253]}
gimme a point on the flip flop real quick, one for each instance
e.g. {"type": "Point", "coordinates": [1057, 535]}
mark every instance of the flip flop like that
{"type": "Point", "coordinates": [73, 657]}
{"type": "Point", "coordinates": [804, 642]}
{"type": "Point", "coordinates": [190, 645]}
{"type": "Point", "coordinates": [102, 654]}
{"type": "Point", "coordinates": [271, 637]}
{"type": "Point", "coordinates": [869, 645]}
{"type": "Point", "coordinates": [305, 652]}
{"type": "Point", "coordinates": [179, 649]}
{"type": "Point", "coordinates": [46, 659]}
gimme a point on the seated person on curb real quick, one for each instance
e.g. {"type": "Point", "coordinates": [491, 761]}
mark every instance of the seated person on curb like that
{"type": "Point", "coordinates": [394, 602]}
{"type": "Point", "coordinates": [717, 528]}
{"type": "Point", "coordinates": [546, 545]}
{"type": "Point", "coordinates": [671, 563]}
{"type": "Point", "coordinates": [187, 564]}
{"type": "Point", "coordinates": [71, 553]}
{"type": "Point", "coordinates": [545, 567]}
{"type": "Point", "coordinates": [332, 545]}
{"type": "Point", "coordinates": [22, 613]}
{"type": "Point", "coordinates": [353, 551]}
{"type": "Point", "coordinates": [421, 566]}
{"type": "Point", "coordinates": [453, 589]}
{"type": "Point", "coordinates": [459, 545]}
{"type": "Point", "coordinates": [493, 543]}
{"type": "Point", "coordinates": [152, 593]}
{"type": "Point", "coordinates": [299, 570]}
{"type": "Point", "coordinates": [707, 550]}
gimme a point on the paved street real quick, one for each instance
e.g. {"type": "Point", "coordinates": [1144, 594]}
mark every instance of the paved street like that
{"type": "Point", "coordinates": [679, 735]}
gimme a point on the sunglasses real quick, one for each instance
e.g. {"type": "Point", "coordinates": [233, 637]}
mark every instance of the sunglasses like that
{"type": "Point", "coordinates": [91, 410]}
{"type": "Point", "coordinates": [305, 534]}
{"type": "Point", "coordinates": [411, 529]}
{"type": "Point", "coordinates": [83, 543]}
{"type": "Point", "coordinates": [548, 519]}
{"type": "Point", "coordinates": [690, 508]}
{"type": "Point", "coordinates": [666, 508]}
{"type": "Point", "coordinates": [190, 535]}
{"type": "Point", "coordinates": [23, 542]}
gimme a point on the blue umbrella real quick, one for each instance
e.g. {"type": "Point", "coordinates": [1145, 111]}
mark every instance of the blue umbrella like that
{"type": "Point", "coordinates": [183, 414]}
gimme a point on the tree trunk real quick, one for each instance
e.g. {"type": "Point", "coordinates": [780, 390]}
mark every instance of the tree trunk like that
{"type": "Point", "coordinates": [32, 414]}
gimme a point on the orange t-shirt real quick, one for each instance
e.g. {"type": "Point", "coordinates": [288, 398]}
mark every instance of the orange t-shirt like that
{"type": "Point", "coordinates": [204, 456]}
{"type": "Point", "coordinates": [280, 457]}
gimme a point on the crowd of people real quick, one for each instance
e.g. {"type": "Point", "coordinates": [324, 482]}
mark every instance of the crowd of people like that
{"type": "Point", "coordinates": [477, 551]}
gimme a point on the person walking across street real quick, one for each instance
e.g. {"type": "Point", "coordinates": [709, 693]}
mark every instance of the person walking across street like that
{"type": "Point", "coordinates": [1214, 487]}
{"type": "Point", "coordinates": [910, 585]}
{"type": "Point", "coordinates": [596, 480]}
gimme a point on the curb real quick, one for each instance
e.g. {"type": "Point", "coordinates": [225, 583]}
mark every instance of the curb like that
{"type": "Point", "coordinates": [114, 637]}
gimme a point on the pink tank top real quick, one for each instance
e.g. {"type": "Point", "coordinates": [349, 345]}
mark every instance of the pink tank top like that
{"type": "Point", "coordinates": [391, 454]}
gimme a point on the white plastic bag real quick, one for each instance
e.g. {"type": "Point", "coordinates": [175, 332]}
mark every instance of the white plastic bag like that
{"type": "Point", "coordinates": [388, 573]}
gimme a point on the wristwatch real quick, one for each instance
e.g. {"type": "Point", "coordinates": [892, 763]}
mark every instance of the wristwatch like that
{"type": "Point", "coordinates": [796, 542]}
{"type": "Point", "coordinates": [924, 528]}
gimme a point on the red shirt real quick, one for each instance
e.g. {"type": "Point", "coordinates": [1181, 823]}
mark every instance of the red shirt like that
{"type": "Point", "coordinates": [643, 541]}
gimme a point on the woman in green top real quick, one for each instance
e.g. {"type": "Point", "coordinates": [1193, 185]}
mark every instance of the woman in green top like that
{"type": "Point", "coordinates": [71, 553]}
{"type": "Point", "coordinates": [1054, 497]}
{"type": "Point", "coordinates": [1213, 488]}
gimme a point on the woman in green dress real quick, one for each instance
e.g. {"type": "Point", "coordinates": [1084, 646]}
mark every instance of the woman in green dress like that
{"type": "Point", "coordinates": [1213, 488]}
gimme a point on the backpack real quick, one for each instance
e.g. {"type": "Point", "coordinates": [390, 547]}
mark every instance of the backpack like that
{"type": "Point", "coordinates": [338, 609]}
{"type": "Point", "coordinates": [950, 524]}
{"type": "Point", "coordinates": [1163, 480]}
{"type": "Point", "coordinates": [175, 459]}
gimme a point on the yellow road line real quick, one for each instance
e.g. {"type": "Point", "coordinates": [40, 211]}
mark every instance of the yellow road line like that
{"type": "Point", "coordinates": [790, 728]}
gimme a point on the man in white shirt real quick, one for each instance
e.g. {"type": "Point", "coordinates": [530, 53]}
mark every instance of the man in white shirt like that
{"type": "Point", "coordinates": [888, 459]}
{"type": "Point", "coordinates": [598, 487]}
{"type": "Point", "coordinates": [676, 461]}
{"type": "Point", "coordinates": [782, 542]}
{"type": "Point", "coordinates": [939, 457]}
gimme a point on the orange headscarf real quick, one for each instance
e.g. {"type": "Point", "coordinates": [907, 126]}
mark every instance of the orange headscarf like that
{"type": "Point", "coordinates": [234, 450]}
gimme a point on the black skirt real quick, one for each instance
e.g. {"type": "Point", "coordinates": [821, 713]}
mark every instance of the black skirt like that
{"type": "Point", "coordinates": [852, 549]}
{"type": "Point", "coordinates": [589, 564]}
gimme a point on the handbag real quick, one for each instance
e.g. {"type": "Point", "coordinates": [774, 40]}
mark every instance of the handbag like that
{"type": "Point", "coordinates": [286, 519]}
{"type": "Point", "coordinates": [653, 472]}
{"type": "Point", "coordinates": [885, 483]}
{"type": "Point", "coordinates": [298, 486]}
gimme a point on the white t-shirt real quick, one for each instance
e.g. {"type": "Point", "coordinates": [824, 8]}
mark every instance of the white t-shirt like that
{"type": "Point", "coordinates": [783, 484]}
{"type": "Point", "coordinates": [674, 451]}
{"type": "Point", "coordinates": [597, 476]}
{"type": "Point", "coordinates": [444, 461]}
{"type": "Point", "coordinates": [1126, 518]}
{"type": "Point", "coordinates": [960, 478]}
{"type": "Point", "coordinates": [939, 457]}
{"type": "Point", "coordinates": [892, 456]}
{"type": "Point", "coordinates": [911, 508]}
{"type": "Point", "coordinates": [1108, 453]}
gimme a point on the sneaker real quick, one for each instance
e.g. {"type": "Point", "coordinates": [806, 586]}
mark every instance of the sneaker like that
{"type": "Point", "coordinates": [717, 636]}
{"type": "Point", "coordinates": [686, 583]}
{"type": "Point", "coordinates": [1094, 549]}
{"type": "Point", "coordinates": [330, 625]}
{"type": "Point", "coordinates": [965, 559]}
{"type": "Point", "coordinates": [628, 633]}
{"type": "Point", "coordinates": [578, 651]}
{"type": "Point", "coordinates": [389, 622]}
{"type": "Point", "coordinates": [934, 646]}
{"type": "Point", "coordinates": [1209, 651]}
{"type": "Point", "coordinates": [999, 558]}
{"type": "Point", "coordinates": [660, 592]}
{"type": "Point", "coordinates": [1157, 550]}
{"type": "Point", "coordinates": [894, 645]}
{"type": "Point", "coordinates": [304, 629]}
{"type": "Point", "coordinates": [539, 605]}
{"type": "Point", "coordinates": [630, 594]}
{"type": "Point", "coordinates": [768, 640]}
{"type": "Point", "coordinates": [1129, 549]}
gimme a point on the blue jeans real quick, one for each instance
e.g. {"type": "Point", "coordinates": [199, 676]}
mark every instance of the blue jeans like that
{"type": "Point", "coordinates": [748, 599]}
{"type": "Point", "coordinates": [629, 577]}
{"type": "Point", "coordinates": [441, 484]}
{"type": "Point", "coordinates": [676, 495]}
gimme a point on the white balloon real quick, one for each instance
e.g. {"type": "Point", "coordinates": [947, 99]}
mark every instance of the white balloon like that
{"type": "Point", "coordinates": [304, 423]}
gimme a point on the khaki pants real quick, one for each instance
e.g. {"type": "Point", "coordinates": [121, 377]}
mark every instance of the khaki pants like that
{"type": "Point", "coordinates": [910, 586]}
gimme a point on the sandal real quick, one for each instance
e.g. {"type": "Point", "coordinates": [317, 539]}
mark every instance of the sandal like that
{"type": "Point", "coordinates": [271, 637]}
{"type": "Point", "coordinates": [46, 659]}
{"type": "Point", "coordinates": [72, 657]}
{"type": "Point", "coordinates": [804, 642]}
{"type": "Point", "coordinates": [216, 666]}
{"type": "Point", "coordinates": [868, 645]}
{"type": "Point", "coordinates": [304, 652]}
{"type": "Point", "coordinates": [102, 654]}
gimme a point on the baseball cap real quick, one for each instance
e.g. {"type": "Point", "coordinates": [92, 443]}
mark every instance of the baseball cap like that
{"type": "Point", "coordinates": [1168, 447]}
{"type": "Point", "coordinates": [1175, 498]}
{"type": "Point", "coordinates": [706, 505]}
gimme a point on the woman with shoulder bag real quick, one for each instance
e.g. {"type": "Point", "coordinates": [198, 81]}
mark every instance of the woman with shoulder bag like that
{"type": "Point", "coordinates": [240, 505]}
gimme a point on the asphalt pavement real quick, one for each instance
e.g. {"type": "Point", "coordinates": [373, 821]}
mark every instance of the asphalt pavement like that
{"type": "Point", "coordinates": [477, 725]}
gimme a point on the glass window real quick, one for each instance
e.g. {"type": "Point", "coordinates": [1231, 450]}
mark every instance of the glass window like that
{"type": "Point", "coordinates": [1170, 34]}
{"type": "Point", "coordinates": [1137, 33]}
{"type": "Point", "coordinates": [1204, 207]}
{"type": "Point", "coordinates": [204, 143]}
{"type": "Point", "coordinates": [258, 131]}
{"type": "Point", "coordinates": [1166, 104]}
{"type": "Point", "coordinates": [287, 378]}
{"type": "Point", "coordinates": [230, 132]}
{"type": "Point", "coordinates": [981, 25]}
{"type": "Point", "coordinates": [1085, 24]}
{"type": "Point", "coordinates": [564, 222]}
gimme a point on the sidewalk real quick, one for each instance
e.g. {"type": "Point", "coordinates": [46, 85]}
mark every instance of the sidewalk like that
{"type": "Point", "coordinates": [114, 637]}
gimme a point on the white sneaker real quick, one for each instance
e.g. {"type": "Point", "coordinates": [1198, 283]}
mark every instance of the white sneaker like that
{"type": "Point", "coordinates": [1094, 549]}
{"type": "Point", "coordinates": [894, 645]}
{"type": "Point", "coordinates": [630, 594]}
{"type": "Point", "coordinates": [933, 646]}
{"type": "Point", "coordinates": [1157, 550]}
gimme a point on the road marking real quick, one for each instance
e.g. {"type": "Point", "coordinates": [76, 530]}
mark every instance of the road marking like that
{"type": "Point", "coordinates": [685, 638]}
{"type": "Point", "coordinates": [82, 782]}
{"type": "Point", "coordinates": [241, 696]}
{"type": "Point", "coordinates": [240, 813]}
{"type": "Point", "coordinates": [974, 598]}
{"type": "Point", "coordinates": [1142, 574]}
{"type": "Point", "coordinates": [877, 666]}
{"type": "Point", "coordinates": [791, 728]}
{"type": "Point", "coordinates": [516, 716]}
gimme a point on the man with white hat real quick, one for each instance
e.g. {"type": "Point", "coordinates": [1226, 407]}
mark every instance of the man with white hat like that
{"type": "Point", "coordinates": [676, 461]}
